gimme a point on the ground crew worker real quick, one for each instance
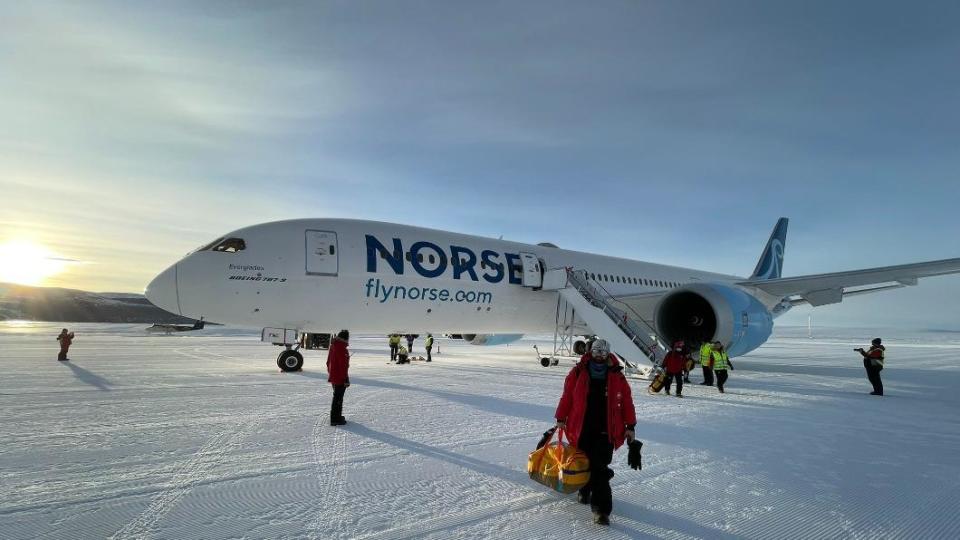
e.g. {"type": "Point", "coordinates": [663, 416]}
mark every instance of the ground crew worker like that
{"type": "Point", "coordinates": [66, 339]}
{"type": "Point", "coordinates": [410, 338]}
{"type": "Point", "coordinates": [706, 362]}
{"type": "Point", "coordinates": [873, 363]}
{"type": "Point", "coordinates": [402, 355]}
{"type": "Point", "coordinates": [338, 368]}
{"type": "Point", "coordinates": [673, 364]}
{"type": "Point", "coordinates": [394, 343]}
{"type": "Point", "coordinates": [428, 344]}
{"type": "Point", "coordinates": [721, 362]}
{"type": "Point", "coordinates": [596, 412]}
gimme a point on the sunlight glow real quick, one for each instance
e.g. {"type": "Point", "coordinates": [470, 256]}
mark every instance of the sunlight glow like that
{"type": "Point", "coordinates": [28, 263]}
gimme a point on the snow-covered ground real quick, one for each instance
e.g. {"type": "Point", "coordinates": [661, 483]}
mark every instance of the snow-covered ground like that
{"type": "Point", "coordinates": [200, 436]}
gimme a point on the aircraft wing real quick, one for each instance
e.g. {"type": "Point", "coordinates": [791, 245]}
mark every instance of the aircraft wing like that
{"type": "Point", "coordinates": [822, 289]}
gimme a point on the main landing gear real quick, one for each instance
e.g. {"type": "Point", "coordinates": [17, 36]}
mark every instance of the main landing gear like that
{"type": "Point", "coordinates": [290, 360]}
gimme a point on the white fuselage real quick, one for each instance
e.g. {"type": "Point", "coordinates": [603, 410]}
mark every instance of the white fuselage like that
{"type": "Point", "coordinates": [320, 275]}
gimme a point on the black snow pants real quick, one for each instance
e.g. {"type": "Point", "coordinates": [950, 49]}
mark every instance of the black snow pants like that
{"type": "Point", "coordinates": [599, 451]}
{"type": "Point", "coordinates": [393, 351]}
{"type": "Point", "coordinates": [429, 359]}
{"type": "Point", "coordinates": [721, 378]}
{"type": "Point", "coordinates": [873, 375]}
{"type": "Point", "coordinates": [336, 406]}
{"type": "Point", "coordinates": [674, 377]}
{"type": "Point", "coordinates": [708, 375]}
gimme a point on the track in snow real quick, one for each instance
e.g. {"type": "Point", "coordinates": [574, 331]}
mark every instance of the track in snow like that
{"type": "Point", "coordinates": [199, 436]}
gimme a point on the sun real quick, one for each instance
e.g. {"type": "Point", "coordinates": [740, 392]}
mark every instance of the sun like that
{"type": "Point", "coordinates": [28, 263]}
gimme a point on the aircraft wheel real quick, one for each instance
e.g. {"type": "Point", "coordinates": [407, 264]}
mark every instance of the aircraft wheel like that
{"type": "Point", "coordinates": [290, 361]}
{"type": "Point", "coordinates": [580, 347]}
{"type": "Point", "coordinates": [545, 362]}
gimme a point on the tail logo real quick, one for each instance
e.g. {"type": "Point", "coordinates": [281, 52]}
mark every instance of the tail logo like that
{"type": "Point", "coordinates": [772, 262]}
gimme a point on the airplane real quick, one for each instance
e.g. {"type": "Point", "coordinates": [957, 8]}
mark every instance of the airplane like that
{"type": "Point", "coordinates": [168, 329]}
{"type": "Point", "coordinates": [317, 275]}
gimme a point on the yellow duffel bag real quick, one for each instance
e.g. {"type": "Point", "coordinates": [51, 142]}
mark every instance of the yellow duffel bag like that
{"type": "Point", "coordinates": [559, 465]}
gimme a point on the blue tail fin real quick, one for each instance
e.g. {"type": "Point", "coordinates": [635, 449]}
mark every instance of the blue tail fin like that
{"type": "Point", "coordinates": [771, 262]}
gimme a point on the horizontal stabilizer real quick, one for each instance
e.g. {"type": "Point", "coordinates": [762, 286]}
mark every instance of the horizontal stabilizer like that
{"type": "Point", "coordinates": [820, 289]}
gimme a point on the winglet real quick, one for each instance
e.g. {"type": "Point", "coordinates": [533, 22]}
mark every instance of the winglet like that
{"type": "Point", "coordinates": [771, 261]}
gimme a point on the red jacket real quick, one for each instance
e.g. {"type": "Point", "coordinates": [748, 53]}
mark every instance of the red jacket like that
{"type": "Point", "coordinates": [673, 362]}
{"type": "Point", "coordinates": [338, 362]}
{"type": "Point", "coordinates": [573, 403]}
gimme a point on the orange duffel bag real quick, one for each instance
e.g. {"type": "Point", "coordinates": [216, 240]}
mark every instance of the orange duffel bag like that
{"type": "Point", "coordinates": [559, 465]}
{"type": "Point", "coordinates": [659, 380]}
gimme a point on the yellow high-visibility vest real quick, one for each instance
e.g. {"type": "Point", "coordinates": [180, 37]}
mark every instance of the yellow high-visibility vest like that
{"type": "Point", "coordinates": [429, 342]}
{"type": "Point", "coordinates": [705, 352]}
{"type": "Point", "coordinates": [720, 360]}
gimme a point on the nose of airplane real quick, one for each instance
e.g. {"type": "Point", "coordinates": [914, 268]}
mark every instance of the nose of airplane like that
{"type": "Point", "coordinates": [162, 291]}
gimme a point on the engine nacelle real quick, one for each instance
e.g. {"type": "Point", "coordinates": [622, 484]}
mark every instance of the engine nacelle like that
{"type": "Point", "coordinates": [490, 339]}
{"type": "Point", "coordinates": [715, 312]}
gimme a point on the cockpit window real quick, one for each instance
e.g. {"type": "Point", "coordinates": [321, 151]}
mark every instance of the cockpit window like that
{"type": "Point", "coordinates": [206, 247]}
{"type": "Point", "coordinates": [230, 245]}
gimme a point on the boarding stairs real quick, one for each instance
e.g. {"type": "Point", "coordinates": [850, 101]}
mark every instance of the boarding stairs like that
{"type": "Point", "coordinates": [630, 336]}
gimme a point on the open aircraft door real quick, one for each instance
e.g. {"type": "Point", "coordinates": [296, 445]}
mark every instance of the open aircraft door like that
{"type": "Point", "coordinates": [322, 253]}
{"type": "Point", "coordinates": [532, 270]}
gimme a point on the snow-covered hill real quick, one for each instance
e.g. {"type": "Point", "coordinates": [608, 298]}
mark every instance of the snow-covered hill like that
{"type": "Point", "coordinates": [21, 302]}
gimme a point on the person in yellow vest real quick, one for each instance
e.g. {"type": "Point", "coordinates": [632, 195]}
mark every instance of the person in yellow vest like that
{"type": "Point", "coordinates": [873, 363]}
{"type": "Point", "coordinates": [394, 344]}
{"type": "Point", "coordinates": [402, 357]}
{"type": "Point", "coordinates": [721, 363]}
{"type": "Point", "coordinates": [429, 346]}
{"type": "Point", "coordinates": [706, 362]}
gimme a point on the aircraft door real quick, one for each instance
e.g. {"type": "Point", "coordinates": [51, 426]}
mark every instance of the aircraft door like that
{"type": "Point", "coordinates": [532, 271]}
{"type": "Point", "coordinates": [322, 253]}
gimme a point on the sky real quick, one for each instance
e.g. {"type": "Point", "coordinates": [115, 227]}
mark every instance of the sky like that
{"type": "Point", "coordinates": [673, 132]}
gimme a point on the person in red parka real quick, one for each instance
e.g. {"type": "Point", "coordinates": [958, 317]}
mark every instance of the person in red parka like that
{"type": "Point", "coordinates": [596, 412]}
{"type": "Point", "coordinates": [338, 366]}
{"type": "Point", "coordinates": [673, 364]}
{"type": "Point", "coordinates": [66, 339]}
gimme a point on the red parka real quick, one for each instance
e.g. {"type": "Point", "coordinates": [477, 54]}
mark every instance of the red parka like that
{"type": "Point", "coordinates": [573, 403]}
{"type": "Point", "coordinates": [338, 362]}
{"type": "Point", "coordinates": [673, 362]}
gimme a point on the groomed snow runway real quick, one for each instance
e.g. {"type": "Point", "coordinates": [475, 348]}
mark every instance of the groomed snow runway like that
{"type": "Point", "coordinates": [200, 436]}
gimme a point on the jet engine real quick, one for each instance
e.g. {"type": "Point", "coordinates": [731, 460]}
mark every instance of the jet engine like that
{"type": "Point", "coordinates": [490, 339]}
{"type": "Point", "coordinates": [715, 312]}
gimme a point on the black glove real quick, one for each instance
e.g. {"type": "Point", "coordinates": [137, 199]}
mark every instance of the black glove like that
{"type": "Point", "coordinates": [633, 455]}
{"type": "Point", "coordinates": [546, 437]}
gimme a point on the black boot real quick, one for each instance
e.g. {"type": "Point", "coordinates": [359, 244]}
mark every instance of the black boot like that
{"type": "Point", "coordinates": [601, 519]}
{"type": "Point", "coordinates": [583, 498]}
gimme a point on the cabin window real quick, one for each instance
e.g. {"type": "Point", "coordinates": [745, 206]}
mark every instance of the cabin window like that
{"type": "Point", "coordinates": [231, 245]}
